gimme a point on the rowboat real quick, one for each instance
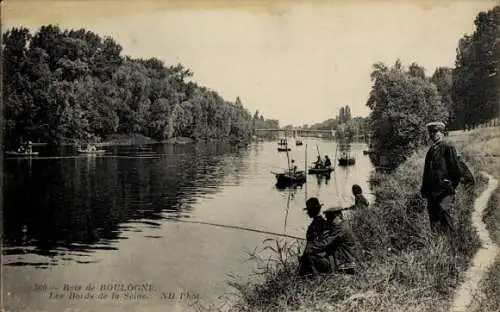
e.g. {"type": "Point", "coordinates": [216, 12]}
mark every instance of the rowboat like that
{"type": "Point", "coordinates": [90, 151]}
{"type": "Point", "coordinates": [347, 161]}
{"type": "Point", "coordinates": [283, 149]}
{"type": "Point", "coordinates": [326, 170]}
{"type": "Point", "coordinates": [14, 153]}
{"type": "Point", "coordinates": [298, 142]}
{"type": "Point", "coordinates": [288, 178]}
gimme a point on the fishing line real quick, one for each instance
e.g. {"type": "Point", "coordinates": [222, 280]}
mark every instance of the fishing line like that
{"type": "Point", "coordinates": [237, 228]}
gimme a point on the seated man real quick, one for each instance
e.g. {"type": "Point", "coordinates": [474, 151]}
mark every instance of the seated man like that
{"type": "Point", "coordinates": [338, 242]}
{"type": "Point", "coordinates": [318, 163]}
{"type": "Point", "coordinates": [327, 163]}
{"type": "Point", "coordinates": [293, 167]}
{"type": "Point", "coordinates": [314, 261]}
{"type": "Point", "coordinates": [359, 200]}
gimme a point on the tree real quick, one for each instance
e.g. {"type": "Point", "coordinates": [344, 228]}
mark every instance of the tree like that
{"type": "Point", "coordinates": [475, 78]}
{"type": "Point", "coordinates": [347, 113]}
{"type": "Point", "coordinates": [401, 104]}
{"type": "Point", "coordinates": [443, 79]}
{"type": "Point", "coordinates": [67, 85]}
{"type": "Point", "coordinates": [342, 117]}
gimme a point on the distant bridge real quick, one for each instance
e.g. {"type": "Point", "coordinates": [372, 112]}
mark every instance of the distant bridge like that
{"type": "Point", "coordinates": [299, 132]}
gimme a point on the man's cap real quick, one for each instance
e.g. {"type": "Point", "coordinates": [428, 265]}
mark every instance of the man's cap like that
{"type": "Point", "coordinates": [435, 125]}
{"type": "Point", "coordinates": [312, 202]}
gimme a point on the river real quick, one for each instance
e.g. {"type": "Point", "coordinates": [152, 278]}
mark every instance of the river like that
{"type": "Point", "coordinates": [111, 219]}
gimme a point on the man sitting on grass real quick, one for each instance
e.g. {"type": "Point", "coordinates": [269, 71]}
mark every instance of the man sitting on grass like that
{"type": "Point", "coordinates": [314, 261]}
{"type": "Point", "coordinates": [339, 241]}
{"type": "Point", "coordinates": [331, 238]}
{"type": "Point", "coordinates": [359, 200]}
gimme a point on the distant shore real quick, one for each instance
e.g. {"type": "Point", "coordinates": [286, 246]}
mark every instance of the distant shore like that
{"type": "Point", "coordinates": [138, 139]}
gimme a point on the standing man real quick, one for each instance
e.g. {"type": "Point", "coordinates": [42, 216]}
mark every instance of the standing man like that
{"type": "Point", "coordinates": [441, 177]}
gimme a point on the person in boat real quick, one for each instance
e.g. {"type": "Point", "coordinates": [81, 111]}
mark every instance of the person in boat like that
{"type": "Point", "coordinates": [328, 162]}
{"type": "Point", "coordinates": [314, 261]}
{"type": "Point", "coordinates": [441, 176]}
{"type": "Point", "coordinates": [293, 167]}
{"type": "Point", "coordinates": [318, 163]}
{"type": "Point", "coordinates": [360, 201]}
{"type": "Point", "coordinates": [29, 147]}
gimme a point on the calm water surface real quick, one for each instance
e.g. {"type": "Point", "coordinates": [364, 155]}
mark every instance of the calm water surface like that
{"type": "Point", "coordinates": [112, 219]}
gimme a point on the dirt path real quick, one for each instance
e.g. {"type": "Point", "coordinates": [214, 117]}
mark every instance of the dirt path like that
{"type": "Point", "coordinates": [483, 259]}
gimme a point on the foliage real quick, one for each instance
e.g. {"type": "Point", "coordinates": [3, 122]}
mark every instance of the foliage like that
{"type": "Point", "coordinates": [401, 103]}
{"type": "Point", "coordinates": [73, 85]}
{"type": "Point", "coordinates": [325, 125]}
{"type": "Point", "coordinates": [443, 79]}
{"type": "Point", "coordinates": [475, 90]}
{"type": "Point", "coordinates": [344, 114]}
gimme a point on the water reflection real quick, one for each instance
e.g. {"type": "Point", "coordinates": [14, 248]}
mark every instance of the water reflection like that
{"type": "Point", "coordinates": [79, 205]}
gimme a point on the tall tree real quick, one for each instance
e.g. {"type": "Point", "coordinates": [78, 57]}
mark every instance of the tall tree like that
{"type": "Point", "coordinates": [401, 103]}
{"type": "Point", "coordinates": [475, 78]}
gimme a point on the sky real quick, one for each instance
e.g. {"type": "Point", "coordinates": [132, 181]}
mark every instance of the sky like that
{"type": "Point", "coordinates": [295, 61]}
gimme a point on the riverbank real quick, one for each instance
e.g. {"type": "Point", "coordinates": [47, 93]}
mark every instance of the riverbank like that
{"type": "Point", "coordinates": [403, 266]}
{"type": "Point", "coordinates": [138, 139]}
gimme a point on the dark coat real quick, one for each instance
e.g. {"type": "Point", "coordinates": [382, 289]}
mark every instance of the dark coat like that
{"type": "Point", "coordinates": [337, 241]}
{"type": "Point", "coordinates": [442, 171]}
{"type": "Point", "coordinates": [316, 229]}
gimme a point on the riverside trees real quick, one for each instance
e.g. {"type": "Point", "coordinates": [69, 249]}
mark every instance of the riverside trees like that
{"type": "Point", "coordinates": [61, 85]}
{"type": "Point", "coordinates": [403, 100]}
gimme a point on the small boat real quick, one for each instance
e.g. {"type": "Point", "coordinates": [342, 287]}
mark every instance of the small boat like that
{"type": "Point", "coordinates": [26, 153]}
{"type": "Point", "coordinates": [91, 149]}
{"type": "Point", "coordinates": [347, 161]}
{"type": "Point", "coordinates": [288, 178]}
{"type": "Point", "coordinates": [298, 142]}
{"type": "Point", "coordinates": [367, 152]}
{"type": "Point", "coordinates": [326, 170]}
{"type": "Point", "coordinates": [283, 146]}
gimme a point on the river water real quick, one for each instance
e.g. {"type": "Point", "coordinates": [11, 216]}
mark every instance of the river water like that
{"type": "Point", "coordinates": [111, 219]}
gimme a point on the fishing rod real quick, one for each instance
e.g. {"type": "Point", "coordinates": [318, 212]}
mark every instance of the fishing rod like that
{"type": "Point", "coordinates": [238, 228]}
{"type": "Point", "coordinates": [305, 172]}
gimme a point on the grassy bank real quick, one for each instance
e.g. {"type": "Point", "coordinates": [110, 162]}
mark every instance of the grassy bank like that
{"type": "Point", "coordinates": [403, 266]}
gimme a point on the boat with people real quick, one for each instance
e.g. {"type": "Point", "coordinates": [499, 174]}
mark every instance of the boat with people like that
{"type": "Point", "coordinates": [283, 146]}
{"type": "Point", "coordinates": [90, 149]}
{"type": "Point", "coordinates": [346, 160]}
{"type": "Point", "coordinates": [24, 150]}
{"type": "Point", "coordinates": [290, 178]}
{"type": "Point", "coordinates": [22, 153]}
